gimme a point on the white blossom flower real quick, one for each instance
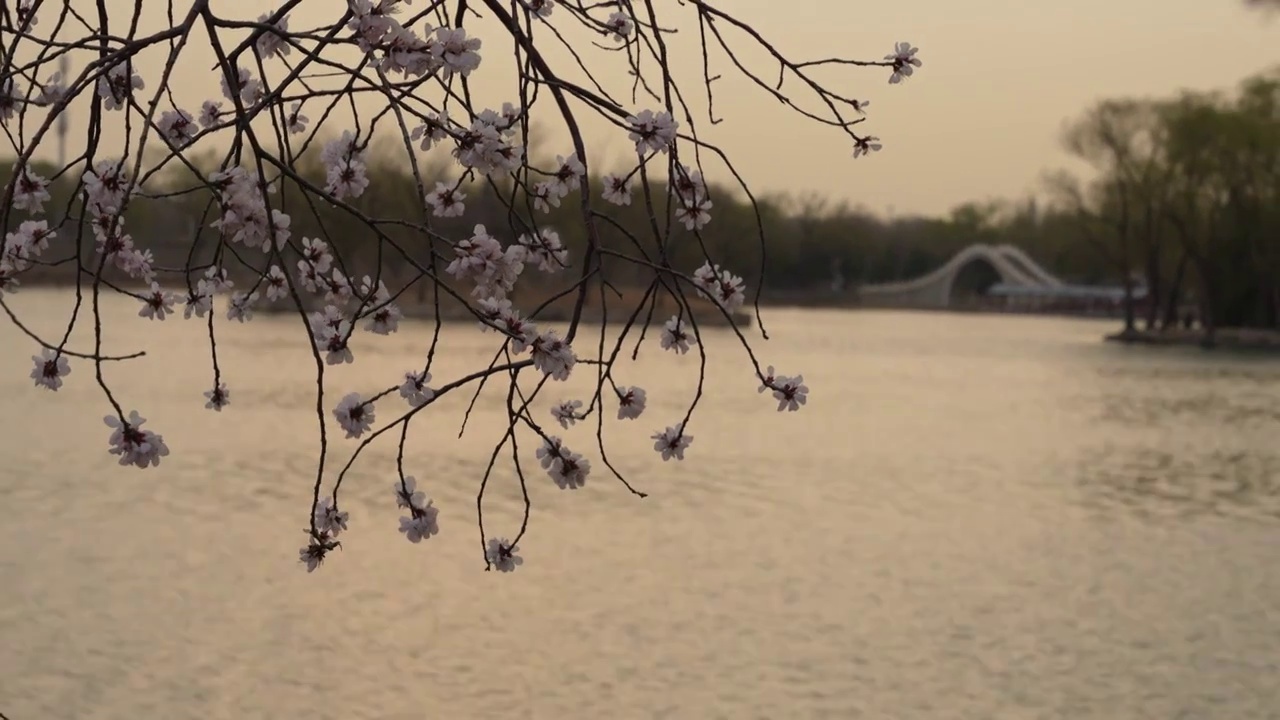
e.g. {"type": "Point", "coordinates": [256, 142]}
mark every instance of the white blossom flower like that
{"type": "Point", "coordinates": [316, 252]}
{"type": "Point", "coordinates": [354, 415]}
{"type": "Point", "coordinates": [541, 8]}
{"type": "Point", "coordinates": [568, 172]}
{"type": "Point", "coordinates": [457, 52]}
{"type": "Point", "coordinates": [446, 201]}
{"type": "Point", "coordinates": [337, 287]}
{"type": "Point", "coordinates": [567, 412]}
{"type": "Point", "coordinates": [414, 388]}
{"type": "Point", "coordinates": [694, 216]}
{"type": "Point", "coordinates": [482, 259]}
{"type": "Point", "coordinates": [51, 367]}
{"type": "Point", "coordinates": [54, 90]}
{"type": "Point", "coordinates": [116, 86]}
{"type": "Point", "coordinates": [329, 519]}
{"type": "Point", "coordinates": [346, 173]}
{"type": "Point", "coordinates": [382, 317]}
{"type": "Point", "coordinates": [177, 127]}
{"type": "Point", "coordinates": [631, 402]}
{"type": "Point", "coordinates": [672, 442]}
{"type": "Point", "coordinates": [552, 355]}
{"type": "Point", "coordinates": [652, 131]}
{"type": "Point", "coordinates": [520, 331]}
{"type": "Point", "coordinates": [422, 521]}
{"type": "Point", "coordinates": [134, 445]}
{"type": "Point", "coordinates": [199, 300]}
{"type": "Point", "coordinates": [314, 553]}
{"type": "Point", "coordinates": [107, 185]}
{"type": "Point", "coordinates": [620, 25]}
{"type": "Point", "coordinates": [296, 121]}
{"type": "Point", "coordinates": [674, 336]}
{"type": "Point", "coordinates": [156, 304]}
{"type": "Point", "coordinates": [617, 190]}
{"type": "Point", "coordinates": [544, 196]}
{"type": "Point", "coordinates": [30, 192]}
{"type": "Point", "coordinates": [866, 145]}
{"type": "Point", "coordinates": [904, 61]}
{"type": "Point", "coordinates": [270, 43]}
{"type": "Point", "coordinates": [790, 392]}
{"type": "Point", "coordinates": [769, 376]}
{"type": "Point", "coordinates": [240, 307]}
{"type": "Point", "coordinates": [434, 130]}
{"type": "Point", "coordinates": [210, 113]}
{"type": "Point", "coordinates": [219, 279]}
{"type": "Point", "coordinates": [502, 555]}
{"type": "Point", "coordinates": [407, 494]}
{"type": "Point", "coordinates": [566, 468]}
{"type": "Point", "coordinates": [421, 525]}
{"type": "Point", "coordinates": [217, 398]}
{"type": "Point", "coordinates": [545, 250]}
{"type": "Point", "coordinates": [332, 333]}
{"type": "Point", "coordinates": [720, 286]}
{"type": "Point", "coordinates": [277, 284]}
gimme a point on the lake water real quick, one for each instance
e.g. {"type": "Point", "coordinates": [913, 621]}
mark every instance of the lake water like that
{"type": "Point", "coordinates": [974, 517]}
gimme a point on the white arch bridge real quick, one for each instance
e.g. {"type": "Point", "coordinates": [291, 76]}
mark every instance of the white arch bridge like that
{"type": "Point", "coordinates": [989, 271]}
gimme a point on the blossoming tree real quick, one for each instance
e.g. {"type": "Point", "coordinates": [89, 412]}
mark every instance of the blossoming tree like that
{"type": "Point", "coordinates": [281, 86]}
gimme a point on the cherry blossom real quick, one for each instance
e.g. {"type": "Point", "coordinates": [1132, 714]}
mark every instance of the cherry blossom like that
{"type": "Point", "coordinates": [270, 43]}
{"type": "Point", "coordinates": [866, 146]}
{"type": "Point", "coordinates": [674, 336]}
{"type": "Point", "coordinates": [117, 86]}
{"type": "Point", "coordinates": [240, 306]}
{"type": "Point", "coordinates": [329, 520]}
{"type": "Point", "coordinates": [414, 388]}
{"type": "Point", "coordinates": [720, 286]}
{"type": "Point", "coordinates": [295, 120]}
{"type": "Point", "coordinates": [354, 414]}
{"type": "Point", "coordinates": [501, 554]}
{"type": "Point", "coordinates": [671, 443]}
{"type": "Point", "coordinates": [30, 192]}
{"type": "Point", "coordinates": [422, 521]}
{"type": "Point", "coordinates": [567, 413]}
{"type": "Point", "coordinates": [545, 250]}
{"type": "Point", "coordinates": [156, 304]}
{"type": "Point", "coordinates": [51, 367]}
{"type": "Point", "coordinates": [134, 445]}
{"type": "Point", "coordinates": [567, 469]}
{"type": "Point", "coordinates": [904, 61]}
{"type": "Point", "coordinates": [217, 398]}
{"type": "Point", "coordinates": [178, 127]}
{"type": "Point", "coordinates": [552, 355]}
{"type": "Point", "coordinates": [790, 392]}
{"type": "Point", "coordinates": [447, 201]}
{"type": "Point", "coordinates": [620, 25]}
{"type": "Point", "coordinates": [652, 131]}
{"type": "Point", "coordinates": [617, 190]}
{"type": "Point", "coordinates": [631, 402]}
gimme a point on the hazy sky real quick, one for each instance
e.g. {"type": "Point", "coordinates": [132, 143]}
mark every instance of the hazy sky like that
{"type": "Point", "coordinates": [980, 120]}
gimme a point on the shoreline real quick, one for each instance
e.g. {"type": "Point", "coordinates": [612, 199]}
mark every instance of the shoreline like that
{"type": "Point", "coordinates": [1228, 338]}
{"type": "Point", "coordinates": [451, 310]}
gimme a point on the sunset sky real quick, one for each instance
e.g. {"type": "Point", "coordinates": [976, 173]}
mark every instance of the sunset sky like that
{"type": "Point", "coordinates": [980, 120]}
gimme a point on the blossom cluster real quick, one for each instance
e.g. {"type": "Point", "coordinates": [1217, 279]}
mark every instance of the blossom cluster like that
{"type": "Point", "coordinates": [264, 257]}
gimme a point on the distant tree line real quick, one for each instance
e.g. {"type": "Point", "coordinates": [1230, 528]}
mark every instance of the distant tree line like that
{"type": "Point", "coordinates": [1187, 197]}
